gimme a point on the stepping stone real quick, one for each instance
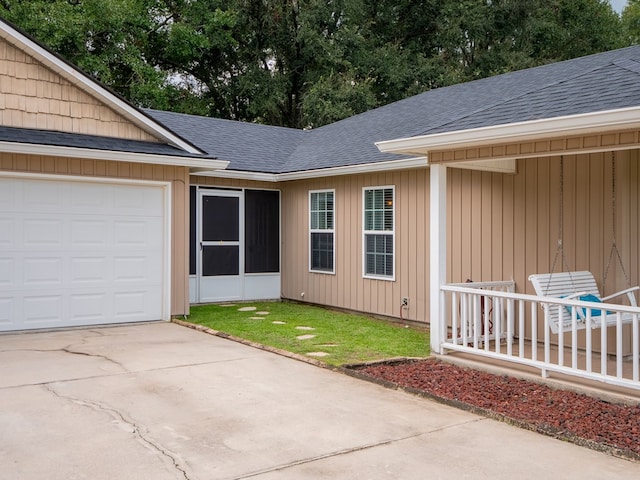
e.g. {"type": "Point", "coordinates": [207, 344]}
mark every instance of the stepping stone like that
{"type": "Point", "coordinates": [305, 328]}
{"type": "Point", "coordinates": [305, 337]}
{"type": "Point", "coordinates": [256, 318]}
{"type": "Point", "coordinates": [278, 322]}
{"type": "Point", "coordinates": [247, 309]}
{"type": "Point", "coordinates": [263, 313]}
{"type": "Point", "coordinates": [318, 354]}
{"type": "Point", "coordinates": [228, 305]}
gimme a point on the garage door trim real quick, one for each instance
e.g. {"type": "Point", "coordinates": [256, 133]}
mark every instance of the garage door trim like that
{"type": "Point", "coordinates": [167, 215]}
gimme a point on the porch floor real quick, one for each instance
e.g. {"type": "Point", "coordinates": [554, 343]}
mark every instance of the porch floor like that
{"type": "Point", "coordinates": [604, 391]}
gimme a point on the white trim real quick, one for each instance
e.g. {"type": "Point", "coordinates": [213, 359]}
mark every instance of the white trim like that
{"type": "Point", "coordinates": [80, 178]}
{"type": "Point", "coordinates": [391, 278]}
{"type": "Point", "coordinates": [571, 151]}
{"type": "Point", "coordinates": [237, 175]}
{"type": "Point", "coordinates": [570, 125]}
{"type": "Point", "coordinates": [85, 83]}
{"type": "Point", "coordinates": [168, 245]}
{"type": "Point", "coordinates": [437, 254]}
{"type": "Point", "coordinates": [167, 208]}
{"type": "Point", "coordinates": [328, 230]}
{"type": "Point", "coordinates": [386, 166]}
{"type": "Point", "coordinates": [95, 154]}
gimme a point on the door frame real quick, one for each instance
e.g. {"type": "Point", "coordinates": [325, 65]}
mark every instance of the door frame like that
{"type": "Point", "coordinates": [200, 195]}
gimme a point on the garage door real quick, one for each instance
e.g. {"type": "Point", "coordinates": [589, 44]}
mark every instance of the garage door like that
{"type": "Point", "coordinates": [78, 253]}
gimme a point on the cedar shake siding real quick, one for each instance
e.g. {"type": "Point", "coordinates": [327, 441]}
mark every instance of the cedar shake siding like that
{"type": "Point", "coordinates": [33, 96]}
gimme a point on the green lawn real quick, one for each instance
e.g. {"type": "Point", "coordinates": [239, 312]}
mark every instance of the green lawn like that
{"type": "Point", "coordinates": [346, 338]}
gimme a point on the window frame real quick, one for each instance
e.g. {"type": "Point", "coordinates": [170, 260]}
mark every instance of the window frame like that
{"type": "Point", "coordinates": [331, 231]}
{"type": "Point", "coordinates": [390, 233]}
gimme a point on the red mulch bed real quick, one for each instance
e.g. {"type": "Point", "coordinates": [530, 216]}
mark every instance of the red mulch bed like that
{"type": "Point", "coordinates": [563, 414]}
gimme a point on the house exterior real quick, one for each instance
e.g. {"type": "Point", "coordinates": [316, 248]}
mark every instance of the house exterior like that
{"type": "Point", "coordinates": [112, 213]}
{"type": "Point", "coordinates": [500, 199]}
{"type": "Point", "coordinates": [94, 199]}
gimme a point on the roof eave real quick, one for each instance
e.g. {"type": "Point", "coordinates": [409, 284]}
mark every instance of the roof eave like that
{"type": "Point", "coordinates": [118, 156]}
{"type": "Point", "coordinates": [570, 125]}
{"type": "Point", "coordinates": [388, 166]}
{"type": "Point", "coordinates": [237, 175]}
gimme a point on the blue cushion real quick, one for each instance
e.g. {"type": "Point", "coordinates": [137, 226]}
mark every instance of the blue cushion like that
{"type": "Point", "coordinates": [582, 311]}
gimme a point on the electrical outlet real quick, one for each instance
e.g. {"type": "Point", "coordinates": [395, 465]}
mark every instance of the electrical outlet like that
{"type": "Point", "coordinates": [405, 302]}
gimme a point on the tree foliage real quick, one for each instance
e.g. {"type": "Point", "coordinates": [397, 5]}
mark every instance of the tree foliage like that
{"type": "Point", "coordinates": [631, 21]}
{"type": "Point", "coordinates": [305, 63]}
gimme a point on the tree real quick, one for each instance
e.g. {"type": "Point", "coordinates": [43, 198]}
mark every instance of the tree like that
{"type": "Point", "coordinates": [566, 29]}
{"type": "Point", "coordinates": [107, 39]}
{"type": "Point", "coordinates": [487, 38]}
{"type": "Point", "coordinates": [631, 21]}
{"type": "Point", "coordinates": [305, 63]}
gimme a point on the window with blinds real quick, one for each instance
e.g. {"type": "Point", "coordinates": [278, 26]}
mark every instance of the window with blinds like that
{"type": "Point", "coordinates": [322, 231]}
{"type": "Point", "coordinates": [379, 232]}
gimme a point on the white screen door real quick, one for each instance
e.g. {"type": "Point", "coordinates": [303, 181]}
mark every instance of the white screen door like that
{"type": "Point", "coordinates": [221, 258]}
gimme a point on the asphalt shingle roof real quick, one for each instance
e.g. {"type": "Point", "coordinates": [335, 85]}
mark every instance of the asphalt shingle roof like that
{"type": "Point", "coordinates": [250, 147]}
{"type": "Point", "coordinates": [604, 81]}
{"type": "Point", "coordinates": [606, 88]}
{"type": "Point", "coordinates": [93, 142]}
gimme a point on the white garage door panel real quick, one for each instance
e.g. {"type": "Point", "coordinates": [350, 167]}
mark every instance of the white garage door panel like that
{"type": "Point", "coordinates": [79, 253]}
{"type": "Point", "coordinates": [63, 309]}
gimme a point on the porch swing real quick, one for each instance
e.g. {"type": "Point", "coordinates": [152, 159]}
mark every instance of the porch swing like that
{"type": "Point", "coordinates": [581, 285]}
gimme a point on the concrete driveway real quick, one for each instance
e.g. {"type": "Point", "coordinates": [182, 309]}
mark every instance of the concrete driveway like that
{"type": "Point", "coordinates": [161, 401]}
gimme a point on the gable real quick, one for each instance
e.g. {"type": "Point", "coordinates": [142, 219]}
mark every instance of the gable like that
{"type": "Point", "coordinates": [34, 96]}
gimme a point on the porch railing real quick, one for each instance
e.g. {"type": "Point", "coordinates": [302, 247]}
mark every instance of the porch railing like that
{"type": "Point", "coordinates": [491, 320]}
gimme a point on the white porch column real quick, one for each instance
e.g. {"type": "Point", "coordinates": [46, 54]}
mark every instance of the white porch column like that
{"type": "Point", "coordinates": [437, 252]}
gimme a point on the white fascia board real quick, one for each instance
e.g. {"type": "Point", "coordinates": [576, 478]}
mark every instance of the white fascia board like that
{"type": "Point", "coordinates": [236, 174]}
{"type": "Point", "coordinates": [319, 173]}
{"type": "Point", "coordinates": [387, 166]}
{"type": "Point", "coordinates": [95, 154]}
{"type": "Point", "coordinates": [85, 83]}
{"type": "Point", "coordinates": [581, 124]}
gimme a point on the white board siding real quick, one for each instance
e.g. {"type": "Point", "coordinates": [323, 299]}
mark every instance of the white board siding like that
{"type": "Point", "coordinates": [80, 253]}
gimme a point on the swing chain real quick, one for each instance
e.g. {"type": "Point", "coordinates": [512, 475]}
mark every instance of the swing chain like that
{"type": "Point", "coordinates": [614, 242]}
{"type": "Point", "coordinates": [560, 249]}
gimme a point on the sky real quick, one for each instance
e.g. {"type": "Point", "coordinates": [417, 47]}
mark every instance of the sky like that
{"type": "Point", "coordinates": [618, 5]}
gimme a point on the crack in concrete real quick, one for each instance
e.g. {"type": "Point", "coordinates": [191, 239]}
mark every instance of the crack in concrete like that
{"type": "Point", "coordinates": [67, 349]}
{"type": "Point", "coordinates": [347, 451]}
{"type": "Point", "coordinates": [136, 429]}
{"type": "Point", "coordinates": [85, 341]}
{"type": "Point", "coordinates": [101, 375]}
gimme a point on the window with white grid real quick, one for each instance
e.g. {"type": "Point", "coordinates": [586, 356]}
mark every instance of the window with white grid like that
{"type": "Point", "coordinates": [322, 231]}
{"type": "Point", "coordinates": [379, 232]}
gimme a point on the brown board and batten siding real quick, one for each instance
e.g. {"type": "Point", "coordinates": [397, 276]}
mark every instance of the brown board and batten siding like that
{"type": "Point", "coordinates": [504, 226]}
{"type": "Point", "coordinates": [500, 227]}
{"type": "Point", "coordinates": [596, 142]}
{"type": "Point", "coordinates": [507, 226]}
{"type": "Point", "coordinates": [178, 176]}
{"type": "Point", "coordinates": [34, 96]}
{"type": "Point", "coordinates": [347, 288]}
